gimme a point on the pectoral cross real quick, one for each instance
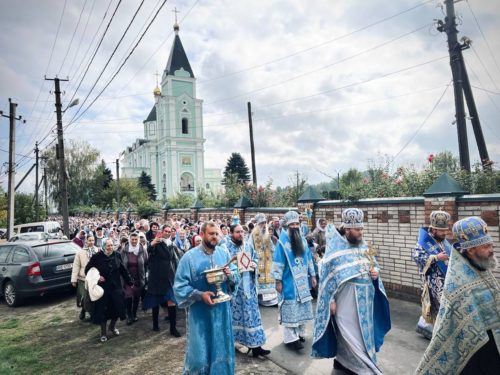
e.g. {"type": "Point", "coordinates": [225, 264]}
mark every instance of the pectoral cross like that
{"type": "Point", "coordinates": [371, 253]}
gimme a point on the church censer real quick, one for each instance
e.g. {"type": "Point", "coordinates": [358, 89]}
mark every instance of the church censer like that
{"type": "Point", "coordinates": [216, 276]}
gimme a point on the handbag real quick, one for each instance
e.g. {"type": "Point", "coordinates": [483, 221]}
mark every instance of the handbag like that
{"type": "Point", "coordinates": [425, 298]}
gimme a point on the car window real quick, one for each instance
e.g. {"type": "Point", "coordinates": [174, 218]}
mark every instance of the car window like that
{"type": "Point", "coordinates": [55, 250]}
{"type": "Point", "coordinates": [54, 228]}
{"type": "Point", "coordinates": [4, 253]}
{"type": "Point", "coordinates": [32, 228]}
{"type": "Point", "coordinates": [20, 255]}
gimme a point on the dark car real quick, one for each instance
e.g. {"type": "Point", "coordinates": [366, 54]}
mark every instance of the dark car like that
{"type": "Point", "coordinates": [35, 268]}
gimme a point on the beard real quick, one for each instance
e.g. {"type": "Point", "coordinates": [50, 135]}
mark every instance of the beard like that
{"type": "Point", "coordinates": [489, 263]}
{"type": "Point", "coordinates": [296, 241]}
{"type": "Point", "coordinates": [238, 242]}
{"type": "Point", "coordinates": [353, 240]}
{"type": "Point", "coordinates": [209, 244]}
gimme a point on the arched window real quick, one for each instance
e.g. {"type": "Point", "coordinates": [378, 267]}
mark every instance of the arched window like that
{"type": "Point", "coordinates": [208, 186]}
{"type": "Point", "coordinates": [187, 182]}
{"type": "Point", "coordinates": [164, 183]}
{"type": "Point", "coordinates": [185, 129]}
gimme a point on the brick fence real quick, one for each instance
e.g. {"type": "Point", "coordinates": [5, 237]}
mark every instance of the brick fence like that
{"type": "Point", "coordinates": [391, 224]}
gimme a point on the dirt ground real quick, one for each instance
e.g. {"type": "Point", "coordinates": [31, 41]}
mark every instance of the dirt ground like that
{"type": "Point", "coordinates": [45, 336]}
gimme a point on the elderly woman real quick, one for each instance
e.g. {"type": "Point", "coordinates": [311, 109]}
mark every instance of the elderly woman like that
{"type": "Point", "coordinates": [81, 260]}
{"type": "Point", "coordinates": [162, 264]}
{"type": "Point", "coordinates": [134, 257]}
{"type": "Point", "coordinates": [110, 306]}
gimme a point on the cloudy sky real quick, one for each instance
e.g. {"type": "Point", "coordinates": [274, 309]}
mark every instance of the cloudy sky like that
{"type": "Point", "coordinates": [333, 84]}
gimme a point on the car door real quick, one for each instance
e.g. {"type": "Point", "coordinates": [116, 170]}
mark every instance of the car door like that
{"type": "Point", "coordinates": [4, 258]}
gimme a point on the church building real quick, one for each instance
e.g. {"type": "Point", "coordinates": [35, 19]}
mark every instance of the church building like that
{"type": "Point", "coordinates": [172, 150]}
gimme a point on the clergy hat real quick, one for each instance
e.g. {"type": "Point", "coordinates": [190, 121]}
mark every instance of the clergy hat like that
{"type": "Point", "coordinates": [471, 232]}
{"type": "Point", "coordinates": [352, 218]}
{"type": "Point", "coordinates": [439, 219]}
{"type": "Point", "coordinates": [291, 217]}
{"type": "Point", "coordinates": [260, 218]}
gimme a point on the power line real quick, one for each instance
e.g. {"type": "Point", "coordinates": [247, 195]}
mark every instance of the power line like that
{"type": "Point", "coordinates": [485, 68]}
{"type": "Point", "coordinates": [72, 37]}
{"type": "Point", "coordinates": [423, 122]}
{"type": "Point", "coordinates": [484, 37]}
{"type": "Point", "coordinates": [323, 67]}
{"type": "Point", "coordinates": [109, 59]}
{"type": "Point", "coordinates": [120, 67]}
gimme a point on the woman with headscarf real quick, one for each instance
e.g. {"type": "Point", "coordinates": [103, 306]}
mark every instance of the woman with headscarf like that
{"type": "Point", "coordinates": [134, 257]}
{"type": "Point", "coordinates": [110, 306]}
{"type": "Point", "coordinates": [162, 264]}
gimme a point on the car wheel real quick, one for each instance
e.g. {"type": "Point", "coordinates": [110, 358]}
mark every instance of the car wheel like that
{"type": "Point", "coordinates": [10, 295]}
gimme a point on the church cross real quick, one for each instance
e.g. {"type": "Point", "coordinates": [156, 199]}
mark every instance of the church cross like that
{"type": "Point", "coordinates": [157, 75]}
{"type": "Point", "coordinates": [175, 11]}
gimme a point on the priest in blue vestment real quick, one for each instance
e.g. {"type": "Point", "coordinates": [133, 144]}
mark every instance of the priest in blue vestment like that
{"type": "Point", "coordinates": [466, 336]}
{"type": "Point", "coordinates": [431, 255]}
{"type": "Point", "coordinates": [294, 273]}
{"type": "Point", "coordinates": [210, 341]}
{"type": "Point", "coordinates": [247, 324]}
{"type": "Point", "coordinates": [352, 314]}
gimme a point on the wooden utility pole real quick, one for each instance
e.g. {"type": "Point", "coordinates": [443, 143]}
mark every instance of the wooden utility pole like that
{"type": "Point", "coordinates": [455, 51]}
{"type": "Point", "coordinates": [118, 184]}
{"type": "Point", "coordinates": [252, 148]}
{"type": "Point", "coordinates": [462, 87]}
{"type": "Point", "coordinates": [11, 191]}
{"type": "Point", "coordinates": [37, 208]}
{"type": "Point", "coordinates": [63, 185]}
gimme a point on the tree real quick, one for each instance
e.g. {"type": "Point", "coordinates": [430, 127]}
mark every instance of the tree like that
{"type": "Point", "coordinates": [23, 208]}
{"type": "Point", "coordinates": [101, 182]}
{"type": "Point", "coordinates": [145, 183]}
{"type": "Point", "coordinates": [236, 166]}
{"type": "Point", "coordinates": [80, 161]}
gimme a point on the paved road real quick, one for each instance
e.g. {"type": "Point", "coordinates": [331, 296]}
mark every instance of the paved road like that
{"type": "Point", "coordinates": [399, 355]}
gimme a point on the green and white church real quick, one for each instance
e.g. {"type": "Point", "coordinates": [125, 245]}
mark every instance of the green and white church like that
{"type": "Point", "coordinates": [172, 150]}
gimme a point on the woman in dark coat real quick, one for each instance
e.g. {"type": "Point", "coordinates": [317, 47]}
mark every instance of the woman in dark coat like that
{"type": "Point", "coordinates": [110, 306]}
{"type": "Point", "coordinates": [162, 264]}
{"type": "Point", "coordinates": [135, 258]}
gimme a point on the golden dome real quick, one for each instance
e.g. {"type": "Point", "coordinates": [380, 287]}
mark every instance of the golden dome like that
{"type": "Point", "coordinates": [157, 91]}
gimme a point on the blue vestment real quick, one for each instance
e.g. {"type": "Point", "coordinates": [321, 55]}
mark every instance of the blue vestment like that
{"type": "Point", "coordinates": [470, 306]}
{"type": "Point", "coordinates": [295, 299]}
{"type": "Point", "coordinates": [210, 342]}
{"type": "Point", "coordinates": [344, 265]}
{"type": "Point", "coordinates": [428, 247]}
{"type": "Point", "coordinates": [247, 325]}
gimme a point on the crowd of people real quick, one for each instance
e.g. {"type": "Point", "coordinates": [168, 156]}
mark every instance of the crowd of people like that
{"type": "Point", "coordinates": [171, 264]}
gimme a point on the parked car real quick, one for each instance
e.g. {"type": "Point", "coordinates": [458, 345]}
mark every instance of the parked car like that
{"type": "Point", "coordinates": [28, 237]}
{"type": "Point", "coordinates": [53, 228]}
{"type": "Point", "coordinates": [35, 268]}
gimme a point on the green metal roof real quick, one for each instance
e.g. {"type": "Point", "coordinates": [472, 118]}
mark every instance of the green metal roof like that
{"type": "Point", "coordinates": [310, 195]}
{"type": "Point", "coordinates": [445, 185]}
{"type": "Point", "coordinates": [197, 204]}
{"type": "Point", "coordinates": [243, 202]}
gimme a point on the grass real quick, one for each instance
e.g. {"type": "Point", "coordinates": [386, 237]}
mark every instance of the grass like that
{"type": "Point", "coordinates": [19, 353]}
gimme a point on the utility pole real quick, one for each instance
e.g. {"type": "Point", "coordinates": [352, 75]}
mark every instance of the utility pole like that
{"type": "Point", "coordinates": [252, 148]}
{"type": "Point", "coordinates": [462, 87]}
{"type": "Point", "coordinates": [63, 185]}
{"type": "Point", "coordinates": [456, 62]}
{"type": "Point", "coordinates": [118, 183]}
{"type": "Point", "coordinates": [45, 190]}
{"type": "Point", "coordinates": [12, 166]}
{"type": "Point", "coordinates": [37, 208]}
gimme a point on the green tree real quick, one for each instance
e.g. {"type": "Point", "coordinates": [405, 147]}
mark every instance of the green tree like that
{"type": "Point", "coordinates": [24, 211]}
{"type": "Point", "coordinates": [236, 166]}
{"type": "Point", "coordinates": [3, 208]}
{"type": "Point", "coordinates": [130, 194]}
{"type": "Point", "coordinates": [180, 200]}
{"type": "Point", "coordinates": [101, 182]}
{"type": "Point", "coordinates": [80, 160]}
{"type": "Point", "coordinates": [146, 183]}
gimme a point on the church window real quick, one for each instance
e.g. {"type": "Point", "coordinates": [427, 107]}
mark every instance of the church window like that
{"type": "Point", "coordinates": [152, 129]}
{"type": "Point", "coordinates": [164, 183]}
{"type": "Point", "coordinates": [208, 186]}
{"type": "Point", "coordinates": [185, 129]}
{"type": "Point", "coordinates": [187, 182]}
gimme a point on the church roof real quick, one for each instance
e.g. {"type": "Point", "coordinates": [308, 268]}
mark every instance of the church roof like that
{"type": "Point", "coordinates": [178, 59]}
{"type": "Point", "coordinates": [310, 195]}
{"type": "Point", "coordinates": [152, 115]}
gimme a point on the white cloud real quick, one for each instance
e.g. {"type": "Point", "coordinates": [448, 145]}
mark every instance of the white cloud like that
{"type": "Point", "coordinates": [326, 119]}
